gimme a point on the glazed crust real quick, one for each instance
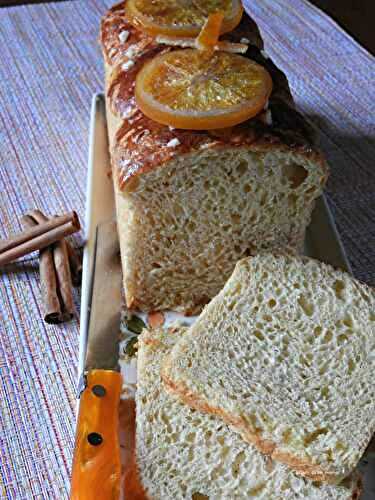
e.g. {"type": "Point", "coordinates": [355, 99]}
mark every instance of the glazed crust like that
{"type": "Point", "coordinates": [300, 467]}
{"type": "Point", "coordinates": [139, 144]}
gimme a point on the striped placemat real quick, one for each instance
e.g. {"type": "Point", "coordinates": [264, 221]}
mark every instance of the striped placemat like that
{"type": "Point", "coordinates": [50, 65]}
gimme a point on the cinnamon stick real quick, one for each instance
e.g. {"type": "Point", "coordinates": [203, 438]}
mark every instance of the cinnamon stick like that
{"type": "Point", "coordinates": [74, 260]}
{"type": "Point", "coordinates": [38, 216]}
{"type": "Point", "coordinates": [38, 237]}
{"type": "Point", "coordinates": [50, 300]}
{"type": "Point", "coordinates": [60, 257]}
{"type": "Point", "coordinates": [64, 279]}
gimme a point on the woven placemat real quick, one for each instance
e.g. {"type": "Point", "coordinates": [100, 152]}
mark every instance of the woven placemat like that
{"type": "Point", "coordinates": [50, 65]}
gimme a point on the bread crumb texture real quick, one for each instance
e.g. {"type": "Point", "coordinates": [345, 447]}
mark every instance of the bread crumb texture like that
{"type": "Point", "coordinates": [286, 352]}
{"type": "Point", "coordinates": [184, 226]}
{"type": "Point", "coordinates": [185, 454]}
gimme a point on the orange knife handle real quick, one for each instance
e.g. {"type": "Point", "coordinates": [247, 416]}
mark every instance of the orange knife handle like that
{"type": "Point", "coordinates": [96, 472]}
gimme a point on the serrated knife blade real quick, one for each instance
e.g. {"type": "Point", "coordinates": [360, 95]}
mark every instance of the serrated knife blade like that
{"type": "Point", "coordinates": [103, 336]}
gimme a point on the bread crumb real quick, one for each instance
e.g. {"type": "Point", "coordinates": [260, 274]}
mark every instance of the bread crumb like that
{"type": "Point", "coordinates": [244, 40]}
{"type": "Point", "coordinates": [173, 143]}
{"type": "Point", "coordinates": [112, 52]}
{"type": "Point", "coordinates": [264, 54]}
{"type": "Point", "coordinates": [129, 64]}
{"type": "Point", "coordinates": [123, 36]}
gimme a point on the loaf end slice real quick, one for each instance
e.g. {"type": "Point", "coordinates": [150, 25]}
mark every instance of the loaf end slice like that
{"type": "Point", "coordinates": [184, 454]}
{"type": "Point", "coordinates": [286, 354]}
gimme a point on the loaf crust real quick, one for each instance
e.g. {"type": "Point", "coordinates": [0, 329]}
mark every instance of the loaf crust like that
{"type": "Point", "coordinates": [300, 467]}
{"type": "Point", "coordinates": [138, 144]}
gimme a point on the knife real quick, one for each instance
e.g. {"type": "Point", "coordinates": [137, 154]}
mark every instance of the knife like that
{"type": "Point", "coordinates": [96, 467]}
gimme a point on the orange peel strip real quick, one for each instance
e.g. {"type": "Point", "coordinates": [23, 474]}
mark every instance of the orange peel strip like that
{"type": "Point", "coordinates": [209, 35]}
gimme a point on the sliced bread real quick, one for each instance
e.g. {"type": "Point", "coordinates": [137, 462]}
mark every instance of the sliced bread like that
{"type": "Point", "coordinates": [184, 454]}
{"type": "Point", "coordinates": [286, 354]}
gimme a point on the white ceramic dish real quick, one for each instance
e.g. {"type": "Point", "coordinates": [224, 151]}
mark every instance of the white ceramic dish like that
{"type": "Point", "coordinates": [322, 242]}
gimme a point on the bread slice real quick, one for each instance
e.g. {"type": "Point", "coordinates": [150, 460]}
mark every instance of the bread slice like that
{"type": "Point", "coordinates": [286, 354]}
{"type": "Point", "coordinates": [190, 204]}
{"type": "Point", "coordinates": [182, 453]}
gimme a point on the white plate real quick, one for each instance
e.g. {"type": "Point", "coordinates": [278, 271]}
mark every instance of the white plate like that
{"type": "Point", "coordinates": [322, 242]}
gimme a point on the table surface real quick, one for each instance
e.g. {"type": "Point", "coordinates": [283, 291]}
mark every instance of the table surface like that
{"type": "Point", "coordinates": [50, 65]}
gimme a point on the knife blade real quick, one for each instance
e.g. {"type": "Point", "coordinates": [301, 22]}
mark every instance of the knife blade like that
{"type": "Point", "coordinates": [96, 463]}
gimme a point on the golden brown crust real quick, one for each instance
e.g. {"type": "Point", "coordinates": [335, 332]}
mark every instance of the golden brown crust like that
{"type": "Point", "coordinates": [299, 466]}
{"type": "Point", "coordinates": [140, 144]}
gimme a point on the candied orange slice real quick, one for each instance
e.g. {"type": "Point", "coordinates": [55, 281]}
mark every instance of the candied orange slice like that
{"type": "Point", "coordinates": [185, 89]}
{"type": "Point", "coordinates": [181, 17]}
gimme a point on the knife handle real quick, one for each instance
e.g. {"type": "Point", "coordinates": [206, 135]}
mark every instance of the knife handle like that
{"type": "Point", "coordinates": [96, 471]}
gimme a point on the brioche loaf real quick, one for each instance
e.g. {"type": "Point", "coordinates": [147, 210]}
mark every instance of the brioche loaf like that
{"type": "Point", "coordinates": [286, 354]}
{"type": "Point", "coordinates": [182, 453]}
{"type": "Point", "coordinates": [190, 204]}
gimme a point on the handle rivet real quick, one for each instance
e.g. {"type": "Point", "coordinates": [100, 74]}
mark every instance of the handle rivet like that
{"type": "Point", "coordinates": [94, 438]}
{"type": "Point", "coordinates": [99, 391]}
